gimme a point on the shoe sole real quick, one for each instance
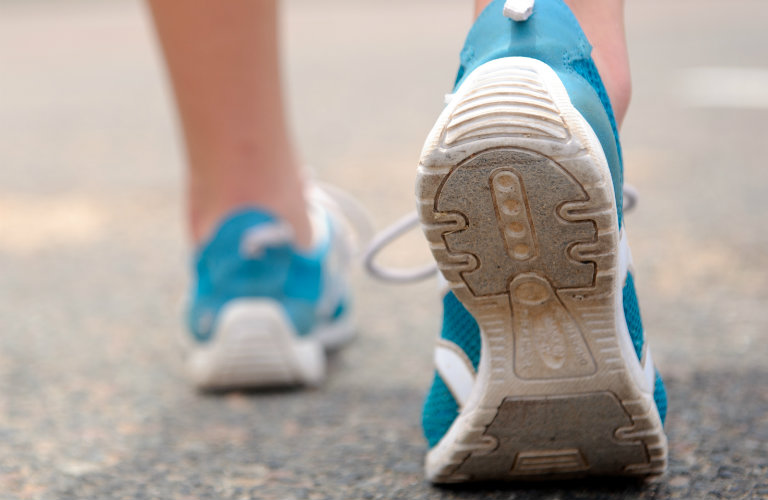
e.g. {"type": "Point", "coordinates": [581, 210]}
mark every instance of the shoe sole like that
{"type": "Point", "coordinates": [516, 199]}
{"type": "Point", "coordinates": [255, 346]}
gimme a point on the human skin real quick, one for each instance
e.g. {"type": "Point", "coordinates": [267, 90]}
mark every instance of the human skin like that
{"type": "Point", "coordinates": [223, 61]}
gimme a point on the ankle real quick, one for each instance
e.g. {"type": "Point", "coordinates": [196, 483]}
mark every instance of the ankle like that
{"type": "Point", "coordinates": [618, 83]}
{"type": "Point", "coordinates": [603, 24]}
{"type": "Point", "coordinates": [206, 211]}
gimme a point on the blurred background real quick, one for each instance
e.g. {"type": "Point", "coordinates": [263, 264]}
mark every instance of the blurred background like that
{"type": "Point", "coordinates": [93, 259]}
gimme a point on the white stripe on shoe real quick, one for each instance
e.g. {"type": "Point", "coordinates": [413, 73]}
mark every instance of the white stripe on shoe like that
{"type": "Point", "coordinates": [649, 370]}
{"type": "Point", "coordinates": [647, 379]}
{"type": "Point", "coordinates": [455, 369]}
{"type": "Point", "coordinates": [625, 257]}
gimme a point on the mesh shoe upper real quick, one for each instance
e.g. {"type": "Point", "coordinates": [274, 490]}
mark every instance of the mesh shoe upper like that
{"type": "Point", "coordinates": [251, 255]}
{"type": "Point", "coordinates": [460, 328]}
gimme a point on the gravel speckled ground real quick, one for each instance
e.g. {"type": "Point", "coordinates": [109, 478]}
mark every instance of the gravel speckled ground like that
{"type": "Point", "coordinates": [93, 263]}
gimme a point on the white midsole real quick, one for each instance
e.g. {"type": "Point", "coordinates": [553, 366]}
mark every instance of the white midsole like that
{"type": "Point", "coordinates": [255, 344]}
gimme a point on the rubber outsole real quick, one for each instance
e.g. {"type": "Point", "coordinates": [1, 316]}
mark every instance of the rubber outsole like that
{"type": "Point", "coordinates": [516, 199]}
{"type": "Point", "coordinates": [255, 346]}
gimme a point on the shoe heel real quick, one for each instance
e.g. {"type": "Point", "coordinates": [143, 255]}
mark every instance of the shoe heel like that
{"type": "Point", "coordinates": [516, 200]}
{"type": "Point", "coordinates": [255, 346]}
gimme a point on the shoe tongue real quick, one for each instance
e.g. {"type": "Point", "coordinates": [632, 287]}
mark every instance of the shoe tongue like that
{"type": "Point", "coordinates": [550, 34]}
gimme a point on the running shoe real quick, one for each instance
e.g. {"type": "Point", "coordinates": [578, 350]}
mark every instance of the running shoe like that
{"type": "Point", "coordinates": [263, 313]}
{"type": "Point", "coordinates": [542, 370]}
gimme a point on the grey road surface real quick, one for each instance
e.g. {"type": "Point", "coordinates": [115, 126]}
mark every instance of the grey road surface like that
{"type": "Point", "coordinates": [93, 260]}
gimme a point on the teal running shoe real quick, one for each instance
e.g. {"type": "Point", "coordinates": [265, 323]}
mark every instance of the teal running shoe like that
{"type": "Point", "coordinates": [262, 313]}
{"type": "Point", "coordinates": [542, 370]}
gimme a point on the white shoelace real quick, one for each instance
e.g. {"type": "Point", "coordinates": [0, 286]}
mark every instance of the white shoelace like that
{"type": "Point", "coordinates": [407, 223]}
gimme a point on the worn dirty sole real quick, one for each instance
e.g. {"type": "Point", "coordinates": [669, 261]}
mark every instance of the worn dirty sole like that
{"type": "Point", "coordinates": [516, 200]}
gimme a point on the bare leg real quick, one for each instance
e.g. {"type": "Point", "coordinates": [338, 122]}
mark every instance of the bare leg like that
{"type": "Point", "coordinates": [603, 23]}
{"type": "Point", "coordinates": [223, 62]}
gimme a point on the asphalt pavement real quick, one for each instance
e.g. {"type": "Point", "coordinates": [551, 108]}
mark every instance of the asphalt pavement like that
{"type": "Point", "coordinates": [93, 259]}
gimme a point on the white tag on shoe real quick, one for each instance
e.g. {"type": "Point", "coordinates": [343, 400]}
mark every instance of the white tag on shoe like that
{"type": "Point", "coordinates": [256, 240]}
{"type": "Point", "coordinates": [518, 10]}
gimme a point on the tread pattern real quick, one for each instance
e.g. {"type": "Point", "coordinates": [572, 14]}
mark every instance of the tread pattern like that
{"type": "Point", "coordinates": [520, 215]}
